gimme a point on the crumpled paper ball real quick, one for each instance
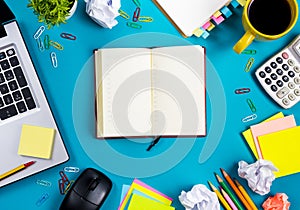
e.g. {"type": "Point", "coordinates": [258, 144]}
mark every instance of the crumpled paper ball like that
{"type": "Point", "coordinates": [199, 198]}
{"type": "Point", "coordinates": [278, 202]}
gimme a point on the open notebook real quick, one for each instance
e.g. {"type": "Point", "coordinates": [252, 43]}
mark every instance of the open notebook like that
{"type": "Point", "coordinates": [142, 92]}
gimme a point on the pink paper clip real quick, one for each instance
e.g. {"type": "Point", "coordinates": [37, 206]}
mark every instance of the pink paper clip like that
{"type": "Point", "coordinates": [64, 177]}
{"type": "Point", "coordinates": [136, 14]}
{"type": "Point", "coordinates": [242, 91]}
{"type": "Point", "coordinates": [68, 36]}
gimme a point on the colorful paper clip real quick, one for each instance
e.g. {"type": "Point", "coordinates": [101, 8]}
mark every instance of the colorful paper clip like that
{"type": "Point", "coordinates": [136, 14]}
{"type": "Point", "coordinates": [54, 59]}
{"type": "Point", "coordinates": [61, 186]}
{"type": "Point", "coordinates": [40, 44]}
{"type": "Point", "coordinates": [71, 169]}
{"type": "Point", "coordinates": [43, 182]}
{"type": "Point", "coordinates": [145, 19]}
{"type": "Point", "coordinates": [249, 64]}
{"type": "Point", "coordinates": [249, 118]}
{"type": "Point", "coordinates": [64, 177]}
{"type": "Point", "coordinates": [42, 199]}
{"type": "Point", "coordinates": [39, 32]}
{"type": "Point", "coordinates": [56, 45]}
{"type": "Point", "coordinates": [68, 36]}
{"type": "Point", "coordinates": [251, 105]}
{"type": "Point", "coordinates": [134, 25]}
{"type": "Point", "coordinates": [68, 186]}
{"type": "Point", "coordinates": [137, 3]}
{"type": "Point", "coordinates": [249, 52]}
{"type": "Point", "coordinates": [123, 14]}
{"type": "Point", "coordinates": [242, 90]}
{"type": "Point", "coordinates": [47, 42]}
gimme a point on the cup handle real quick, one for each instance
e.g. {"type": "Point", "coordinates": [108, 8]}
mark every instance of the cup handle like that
{"type": "Point", "coordinates": [244, 42]}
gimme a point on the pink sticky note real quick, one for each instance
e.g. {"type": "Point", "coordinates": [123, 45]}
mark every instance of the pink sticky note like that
{"type": "Point", "coordinates": [270, 127]}
{"type": "Point", "coordinates": [218, 20]}
{"type": "Point", "coordinates": [206, 25]}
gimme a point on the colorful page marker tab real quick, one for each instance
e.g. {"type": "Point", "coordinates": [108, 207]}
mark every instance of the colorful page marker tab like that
{"type": "Point", "coordinates": [226, 12]}
{"type": "Point", "coordinates": [218, 20]}
{"type": "Point", "coordinates": [242, 2]}
{"type": "Point", "coordinates": [206, 25]}
{"type": "Point", "coordinates": [198, 32]}
{"type": "Point", "coordinates": [205, 34]}
{"type": "Point", "coordinates": [217, 14]}
{"type": "Point", "coordinates": [234, 4]}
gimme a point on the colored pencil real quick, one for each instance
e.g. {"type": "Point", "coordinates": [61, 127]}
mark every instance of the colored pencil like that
{"type": "Point", "coordinates": [15, 170]}
{"type": "Point", "coordinates": [221, 198]}
{"type": "Point", "coordinates": [228, 199]}
{"type": "Point", "coordinates": [245, 194]}
{"type": "Point", "coordinates": [228, 191]}
{"type": "Point", "coordinates": [235, 189]}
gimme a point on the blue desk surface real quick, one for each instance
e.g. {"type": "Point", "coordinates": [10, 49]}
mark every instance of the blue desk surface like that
{"type": "Point", "coordinates": [173, 165]}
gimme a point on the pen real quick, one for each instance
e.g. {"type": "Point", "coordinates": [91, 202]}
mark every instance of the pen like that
{"type": "Point", "coordinates": [245, 194]}
{"type": "Point", "coordinates": [15, 170]}
{"type": "Point", "coordinates": [221, 198]}
{"type": "Point", "coordinates": [235, 189]}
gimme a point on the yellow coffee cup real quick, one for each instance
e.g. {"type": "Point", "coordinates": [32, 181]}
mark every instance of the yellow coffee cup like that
{"type": "Point", "coordinates": [265, 20]}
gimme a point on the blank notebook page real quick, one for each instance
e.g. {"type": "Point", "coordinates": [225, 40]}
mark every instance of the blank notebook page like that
{"type": "Point", "coordinates": [189, 15]}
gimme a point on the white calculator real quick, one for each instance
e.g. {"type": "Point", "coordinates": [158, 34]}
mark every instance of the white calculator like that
{"type": "Point", "coordinates": [280, 75]}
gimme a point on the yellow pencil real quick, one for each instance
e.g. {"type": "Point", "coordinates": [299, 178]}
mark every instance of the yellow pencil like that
{"type": "Point", "coordinates": [245, 194]}
{"type": "Point", "coordinates": [15, 170]}
{"type": "Point", "coordinates": [221, 198]}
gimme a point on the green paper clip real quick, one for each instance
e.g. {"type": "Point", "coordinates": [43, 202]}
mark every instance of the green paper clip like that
{"type": "Point", "coordinates": [249, 64]}
{"type": "Point", "coordinates": [137, 3]}
{"type": "Point", "coordinates": [123, 14]}
{"type": "Point", "coordinates": [134, 25]}
{"type": "Point", "coordinates": [47, 42]}
{"type": "Point", "coordinates": [145, 19]}
{"type": "Point", "coordinates": [249, 52]}
{"type": "Point", "coordinates": [56, 45]}
{"type": "Point", "coordinates": [251, 105]}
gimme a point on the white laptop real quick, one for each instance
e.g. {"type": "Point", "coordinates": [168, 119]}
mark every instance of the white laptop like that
{"type": "Point", "coordinates": [22, 101]}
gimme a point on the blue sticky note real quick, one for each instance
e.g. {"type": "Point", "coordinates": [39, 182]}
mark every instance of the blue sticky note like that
{"type": "Point", "coordinates": [226, 12]}
{"type": "Point", "coordinates": [234, 3]}
{"type": "Point", "coordinates": [205, 34]}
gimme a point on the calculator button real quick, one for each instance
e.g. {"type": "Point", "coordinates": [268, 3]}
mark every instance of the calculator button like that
{"type": "Point", "coordinates": [268, 69]}
{"type": "Point", "coordinates": [20, 76]}
{"type": "Point", "coordinates": [1, 102]}
{"type": "Point", "coordinates": [285, 67]}
{"type": "Point", "coordinates": [279, 83]}
{"type": "Point", "coordinates": [279, 60]}
{"type": "Point", "coordinates": [297, 92]}
{"type": "Point", "coordinates": [1, 78]}
{"type": "Point", "coordinates": [291, 73]}
{"type": "Point", "coordinates": [4, 89]}
{"type": "Point", "coordinates": [262, 74]}
{"type": "Point", "coordinates": [296, 69]}
{"type": "Point", "coordinates": [28, 98]}
{"type": "Point", "coordinates": [273, 65]}
{"type": "Point", "coordinates": [291, 62]}
{"type": "Point", "coordinates": [291, 85]}
{"type": "Point", "coordinates": [273, 76]}
{"type": "Point", "coordinates": [297, 80]}
{"type": "Point", "coordinates": [13, 85]}
{"type": "Point", "coordinates": [14, 61]}
{"type": "Point", "coordinates": [285, 55]}
{"type": "Point", "coordinates": [4, 64]}
{"type": "Point", "coordinates": [279, 72]}
{"type": "Point", "coordinates": [17, 95]}
{"type": "Point", "coordinates": [8, 111]}
{"type": "Point", "coordinates": [285, 101]}
{"type": "Point", "coordinates": [21, 106]}
{"type": "Point", "coordinates": [7, 99]}
{"type": "Point", "coordinates": [292, 97]}
{"type": "Point", "coordinates": [9, 75]}
{"type": "Point", "coordinates": [285, 78]}
{"type": "Point", "coordinates": [10, 52]}
{"type": "Point", "coordinates": [282, 92]}
{"type": "Point", "coordinates": [2, 55]}
{"type": "Point", "coordinates": [268, 81]}
{"type": "Point", "coordinates": [274, 88]}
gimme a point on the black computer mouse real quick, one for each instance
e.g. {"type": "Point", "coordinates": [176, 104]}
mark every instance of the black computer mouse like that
{"type": "Point", "coordinates": [88, 192]}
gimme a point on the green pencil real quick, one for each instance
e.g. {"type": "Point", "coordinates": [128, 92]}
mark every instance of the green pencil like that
{"type": "Point", "coordinates": [227, 190]}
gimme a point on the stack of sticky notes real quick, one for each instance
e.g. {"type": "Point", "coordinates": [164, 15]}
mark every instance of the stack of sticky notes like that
{"type": "Point", "coordinates": [276, 139]}
{"type": "Point", "coordinates": [36, 141]}
{"type": "Point", "coordinates": [139, 196]}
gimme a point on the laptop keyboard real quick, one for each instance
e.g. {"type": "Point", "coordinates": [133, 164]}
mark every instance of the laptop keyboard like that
{"type": "Point", "coordinates": [15, 93]}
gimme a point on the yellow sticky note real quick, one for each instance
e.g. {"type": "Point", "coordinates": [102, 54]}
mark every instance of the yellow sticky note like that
{"type": "Point", "coordinates": [36, 141]}
{"type": "Point", "coordinates": [282, 149]}
{"type": "Point", "coordinates": [198, 32]}
{"type": "Point", "coordinates": [139, 202]}
{"type": "Point", "coordinates": [249, 138]}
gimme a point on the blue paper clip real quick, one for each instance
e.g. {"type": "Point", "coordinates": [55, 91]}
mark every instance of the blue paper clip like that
{"type": "Point", "coordinates": [39, 32]}
{"type": "Point", "coordinates": [68, 36]}
{"type": "Point", "coordinates": [43, 182]}
{"type": "Point", "coordinates": [71, 169]}
{"type": "Point", "coordinates": [136, 14]}
{"type": "Point", "coordinates": [56, 45]}
{"type": "Point", "coordinates": [249, 64]}
{"type": "Point", "coordinates": [134, 25]}
{"type": "Point", "coordinates": [54, 59]}
{"type": "Point", "coordinates": [242, 90]}
{"type": "Point", "coordinates": [249, 52]}
{"type": "Point", "coordinates": [249, 118]}
{"type": "Point", "coordinates": [137, 3]}
{"type": "Point", "coordinates": [42, 199]}
{"type": "Point", "coordinates": [145, 19]}
{"type": "Point", "coordinates": [47, 42]}
{"type": "Point", "coordinates": [251, 105]}
{"type": "Point", "coordinates": [40, 44]}
{"type": "Point", "coordinates": [123, 14]}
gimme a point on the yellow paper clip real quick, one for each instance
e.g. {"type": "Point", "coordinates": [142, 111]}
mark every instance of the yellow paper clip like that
{"type": "Point", "coordinates": [71, 169]}
{"type": "Point", "coordinates": [39, 32]}
{"type": "Point", "coordinates": [249, 64]}
{"type": "Point", "coordinates": [249, 118]}
{"type": "Point", "coordinates": [54, 59]}
{"type": "Point", "coordinates": [134, 25]}
{"type": "Point", "coordinates": [42, 199]}
{"type": "Point", "coordinates": [251, 105]}
{"type": "Point", "coordinates": [145, 19]}
{"type": "Point", "coordinates": [56, 45]}
{"type": "Point", "coordinates": [68, 186]}
{"type": "Point", "coordinates": [43, 183]}
{"type": "Point", "coordinates": [124, 14]}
